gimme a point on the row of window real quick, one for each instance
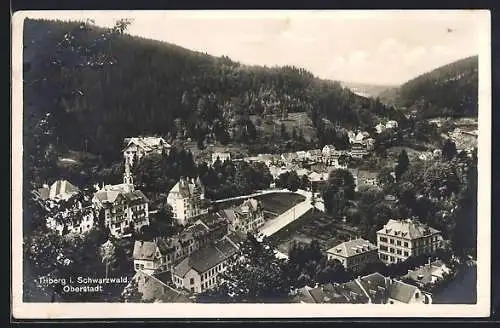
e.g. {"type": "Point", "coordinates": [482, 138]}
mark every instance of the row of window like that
{"type": "Point", "coordinates": [392, 250]}
{"type": "Point", "coordinates": [392, 241]}
{"type": "Point", "coordinates": [212, 271]}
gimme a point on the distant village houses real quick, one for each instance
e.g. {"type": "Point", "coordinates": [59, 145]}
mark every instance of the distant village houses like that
{"type": "Point", "coordinates": [222, 157]}
{"type": "Point", "coordinates": [138, 147]}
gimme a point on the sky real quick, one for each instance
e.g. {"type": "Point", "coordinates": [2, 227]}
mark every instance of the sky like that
{"type": "Point", "coordinates": [375, 47]}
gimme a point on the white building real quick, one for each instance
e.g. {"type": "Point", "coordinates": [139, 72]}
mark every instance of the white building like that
{"type": "Point", "coordinates": [380, 128]}
{"type": "Point", "coordinates": [402, 238]}
{"type": "Point", "coordinates": [391, 124]}
{"type": "Point", "coordinates": [147, 256]}
{"type": "Point", "coordinates": [328, 150]}
{"type": "Point", "coordinates": [354, 254]}
{"type": "Point", "coordinates": [137, 147]}
{"type": "Point", "coordinates": [200, 271]}
{"type": "Point", "coordinates": [59, 190]}
{"type": "Point", "coordinates": [186, 199]}
{"type": "Point", "coordinates": [124, 208]}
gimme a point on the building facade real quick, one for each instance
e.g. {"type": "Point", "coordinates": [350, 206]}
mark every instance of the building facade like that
{"type": "Point", "coordinates": [125, 209]}
{"type": "Point", "coordinates": [186, 199]}
{"type": "Point", "coordinates": [402, 238]}
{"type": "Point", "coordinates": [354, 254]}
{"type": "Point", "coordinates": [200, 271]}
{"type": "Point", "coordinates": [137, 147]}
{"type": "Point", "coordinates": [247, 217]}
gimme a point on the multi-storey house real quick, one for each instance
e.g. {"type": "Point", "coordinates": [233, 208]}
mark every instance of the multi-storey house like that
{"type": "Point", "coordinates": [248, 217]}
{"type": "Point", "coordinates": [187, 200]}
{"type": "Point", "coordinates": [137, 147]}
{"type": "Point", "coordinates": [402, 238]}
{"type": "Point", "coordinates": [354, 254]}
{"type": "Point", "coordinates": [201, 270]}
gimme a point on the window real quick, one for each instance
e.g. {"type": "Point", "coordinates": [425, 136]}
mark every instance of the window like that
{"type": "Point", "coordinates": [417, 295]}
{"type": "Point", "coordinates": [398, 252]}
{"type": "Point", "coordinates": [192, 289]}
{"type": "Point", "coordinates": [392, 258]}
{"type": "Point", "coordinates": [383, 239]}
{"type": "Point", "coordinates": [137, 265]}
{"type": "Point", "coordinates": [383, 248]}
{"type": "Point", "coordinates": [406, 244]}
{"type": "Point", "coordinates": [391, 241]}
{"type": "Point", "coordinates": [405, 253]}
{"type": "Point", "coordinates": [398, 242]}
{"type": "Point", "coordinates": [391, 250]}
{"type": "Point", "coordinates": [142, 266]}
{"type": "Point", "coordinates": [191, 281]}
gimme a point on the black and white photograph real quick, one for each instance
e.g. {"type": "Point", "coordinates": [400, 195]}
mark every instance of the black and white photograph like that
{"type": "Point", "coordinates": [330, 163]}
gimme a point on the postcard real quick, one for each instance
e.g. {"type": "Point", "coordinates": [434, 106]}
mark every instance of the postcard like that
{"type": "Point", "coordinates": [251, 164]}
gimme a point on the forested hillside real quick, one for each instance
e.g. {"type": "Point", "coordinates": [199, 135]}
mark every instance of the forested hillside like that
{"type": "Point", "coordinates": [450, 91]}
{"type": "Point", "coordinates": [137, 86]}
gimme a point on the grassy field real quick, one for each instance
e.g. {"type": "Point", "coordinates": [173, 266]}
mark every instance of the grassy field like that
{"type": "Point", "coordinates": [314, 225]}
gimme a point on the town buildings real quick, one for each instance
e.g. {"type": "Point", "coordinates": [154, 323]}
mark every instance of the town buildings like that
{"type": "Point", "coordinates": [354, 254]}
{"type": "Point", "coordinates": [187, 200]}
{"type": "Point", "coordinates": [358, 149]}
{"type": "Point", "coordinates": [155, 288]}
{"type": "Point", "coordinates": [248, 217]}
{"type": "Point", "coordinates": [371, 289]}
{"type": "Point", "coordinates": [163, 253]}
{"type": "Point", "coordinates": [427, 274]}
{"type": "Point", "coordinates": [74, 220]}
{"type": "Point", "coordinates": [402, 238]}
{"type": "Point", "coordinates": [200, 271]}
{"type": "Point", "coordinates": [137, 147]}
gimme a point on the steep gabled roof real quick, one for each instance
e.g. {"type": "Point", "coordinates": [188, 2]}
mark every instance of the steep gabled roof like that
{"type": "Point", "coordinates": [61, 187]}
{"type": "Point", "coordinates": [352, 247]}
{"type": "Point", "coordinates": [153, 287]}
{"type": "Point", "coordinates": [144, 250]}
{"type": "Point", "coordinates": [407, 228]}
{"type": "Point", "coordinates": [401, 291]}
{"type": "Point", "coordinates": [206, 258]}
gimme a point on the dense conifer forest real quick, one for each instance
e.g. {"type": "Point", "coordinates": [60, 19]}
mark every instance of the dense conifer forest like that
{"type": "Point", "coordinates": [449, 91]}
{"type": "Point", "coordinates": [152, 87]}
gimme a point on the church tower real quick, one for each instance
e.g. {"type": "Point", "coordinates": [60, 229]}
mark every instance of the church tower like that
{"type": "Point", "coordinates": [127, 177]}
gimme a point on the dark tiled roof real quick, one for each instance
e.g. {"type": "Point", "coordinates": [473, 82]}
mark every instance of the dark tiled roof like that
{"type": "Point", "coordinates": [401, 291]}
{"type": "Point", "coordinates": [144, 250]}
{"type": "Point", "coordinates": [303, 295]}
{"type": "Point", "coordinates": [375, 285]}
{"type": "Point", "coordinates": [206, 258]}
{"type": "Point", "coordinates": [153, 288]}
{"type": "Point", "coordinates": [135, 196]}
{"type": "Point", "coordinates": [42, 193]}
{"type": "Point", "coordinates": [354, 292]}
